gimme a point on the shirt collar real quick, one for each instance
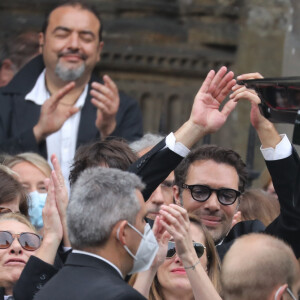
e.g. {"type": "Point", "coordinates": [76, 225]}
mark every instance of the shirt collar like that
{"type": "Point", "coordinates": [39, 94]}
{"type": "Point", "coordinates": [99, 257]}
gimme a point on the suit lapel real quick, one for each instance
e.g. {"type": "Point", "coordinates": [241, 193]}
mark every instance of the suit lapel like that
{"type": "Point", "coordinates": [87, 130]}
{"type": "Point", "coordinates": [26, 114]}
{"type": "Point", "coordinates": [1, 293]}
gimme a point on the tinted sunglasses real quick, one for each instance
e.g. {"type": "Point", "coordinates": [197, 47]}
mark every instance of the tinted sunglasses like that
{"type": "Point", "coordinates": [199, 248]}
{"type": "Point", "coordinates": [202, 192]}
{"type": "Point", "coordinates": [28, 241]}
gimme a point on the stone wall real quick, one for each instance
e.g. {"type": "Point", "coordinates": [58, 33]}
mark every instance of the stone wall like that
{"type": "Point", "coordinates": [159, 51]}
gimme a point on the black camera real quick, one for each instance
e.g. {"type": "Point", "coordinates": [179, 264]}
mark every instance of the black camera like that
{"type": "Point", "coordinates": [280, 100]}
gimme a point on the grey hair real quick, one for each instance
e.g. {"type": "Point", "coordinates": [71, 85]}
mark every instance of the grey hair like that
{"type": "Point", "coordinates": [148, 140]}
{"type": "Point", "coordinates": [99, 199]}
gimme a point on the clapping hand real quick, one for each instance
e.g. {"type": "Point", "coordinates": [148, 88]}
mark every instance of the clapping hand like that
{"type": "Point", "coordinates": [52, 117]}
{"type": "Point", "coordinates": [106, 99]}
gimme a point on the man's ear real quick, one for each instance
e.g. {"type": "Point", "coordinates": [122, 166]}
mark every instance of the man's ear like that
{"type": "Point", "coordinates": [120, 232]}
{"type": "Point", "coordinates": [238, 205]}
{"type": "Point", "coordinates": [7, 71]}
{"type": "Point", "coordinates": [176, 195]}
{"type": "Point", "coordinates": [100, 47]}
{"type": "Point", "coordinates": [7, 65]}
{"type": "Point", "coordinates": [41, 41]}
{"type": "Point", "coordinates": [237, 217]}
{"type": "Point", "coordinates": [280, 291]}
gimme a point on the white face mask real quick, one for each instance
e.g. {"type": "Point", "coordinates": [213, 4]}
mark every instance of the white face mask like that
{"type": "Point", "coordinates": [146, 252]}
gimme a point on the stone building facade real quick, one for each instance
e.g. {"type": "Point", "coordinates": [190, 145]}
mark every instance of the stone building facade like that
{"type": "Point", "coordinates": [159, 51]}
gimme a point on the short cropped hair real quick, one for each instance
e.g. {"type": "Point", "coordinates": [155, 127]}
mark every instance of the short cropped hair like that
{"type": "Point", "coordinates": [148, 140]}
{"type": "Point", "coordinates": [100, 198]}
{"type": "Point", "coordinates": [114, 153]}
{"type": "Point", "coordinates": [81, 4]}
{"type": "Point", "coordinates": [255, 264]}
{"type": "Point", "coordinates": [218, 155]}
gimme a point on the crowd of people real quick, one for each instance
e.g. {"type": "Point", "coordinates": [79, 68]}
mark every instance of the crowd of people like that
{"type": "Point", "coordinates": [92, 209]}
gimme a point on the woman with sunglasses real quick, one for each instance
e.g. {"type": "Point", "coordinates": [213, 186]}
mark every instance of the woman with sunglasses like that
{"type": "Point", "coordinates": [18, 241]}
{"type": "Point", "coordinates": [190, 267]}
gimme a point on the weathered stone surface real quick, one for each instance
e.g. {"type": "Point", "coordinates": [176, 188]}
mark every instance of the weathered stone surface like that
{"type": "Point", "coordinates": [159, 51]}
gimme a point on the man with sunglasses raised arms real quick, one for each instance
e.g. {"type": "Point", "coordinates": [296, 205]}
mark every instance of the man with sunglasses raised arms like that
{"type": "Point", "coordinates": [209, 181]}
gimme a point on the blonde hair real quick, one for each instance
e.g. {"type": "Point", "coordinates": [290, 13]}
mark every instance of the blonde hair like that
{"type": "Point", "coordinates": [19, 218]}
{"type": "Point", "coordinates": [9, 171]}
{"type": "Point", "coordinates": [33, 158]}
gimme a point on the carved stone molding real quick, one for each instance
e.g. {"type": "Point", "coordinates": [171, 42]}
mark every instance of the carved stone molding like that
{"type": "Point", "coordinates": [164, 60]}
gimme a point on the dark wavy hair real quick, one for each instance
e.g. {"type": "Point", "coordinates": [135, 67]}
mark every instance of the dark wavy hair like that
{"type": "Point", "coordinates": [82, 4]}
{"type": "Point", "coordinates": [112, 153]}
{"type": "Point", "coordinates": [219, 155]}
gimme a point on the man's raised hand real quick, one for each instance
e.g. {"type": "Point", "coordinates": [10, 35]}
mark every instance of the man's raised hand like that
{"type": "Point", "coordinates": [206, 111]}
{"type": "Point", "coordinates": [206, 116]}
{"type": "Point", "coordinates": [266, 131]}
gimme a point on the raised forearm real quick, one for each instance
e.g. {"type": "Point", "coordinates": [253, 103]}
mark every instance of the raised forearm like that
{"type": "Point", "coordinates": [201, 284]}
{"type": "Point", "coordinates": [48, 250]}
{"type": "Point", "coordinates": [268, 135]}
{"type": "Point", "coordinates": [143, 281]}
{"type": "Point", "coordinates": [189, 134]}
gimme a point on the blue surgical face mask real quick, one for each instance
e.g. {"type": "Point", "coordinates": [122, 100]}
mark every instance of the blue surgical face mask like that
{"type": "Point", "coordinates": [36, 203]}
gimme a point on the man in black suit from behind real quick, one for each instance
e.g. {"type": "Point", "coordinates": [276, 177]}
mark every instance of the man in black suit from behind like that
{"type": "Point", "coordinates": [108, 234]}
{"type": "Point", "coordinates": [209, 181]}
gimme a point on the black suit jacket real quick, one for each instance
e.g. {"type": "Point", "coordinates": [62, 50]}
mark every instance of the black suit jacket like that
{"type": "Point", "coordinates": [287, 225]}
{"type": "Point", "coordinates": [87, 277]}
{"type": "Point", "coordinates": [18, 117]}
{"type": "Point", "coordinates": [2, 293]}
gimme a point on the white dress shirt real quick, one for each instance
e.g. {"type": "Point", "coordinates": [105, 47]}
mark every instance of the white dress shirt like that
{"type": "Point", "coordinates": [282, 150]}
{"type": "Point", "coordinates": [62, 142]}
{"type": "Point", "coordinates": [176, 147]}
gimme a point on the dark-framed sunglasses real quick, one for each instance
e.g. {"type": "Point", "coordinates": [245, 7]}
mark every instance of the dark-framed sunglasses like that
{"type": "Point", "coordinates": [28, 240]}
{"type": "Point", "coordinates": [202, 192]}
{"type": "Point", "coordinates": [5, 210]}
{"type": "Point", "coordinates": [199, 248]}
